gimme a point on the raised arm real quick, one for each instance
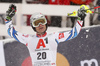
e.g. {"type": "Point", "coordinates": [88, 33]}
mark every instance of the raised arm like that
{"type": "Point", "coordinates": [10, 28]}
{"type": "Point", "coordinates": [75, 30]}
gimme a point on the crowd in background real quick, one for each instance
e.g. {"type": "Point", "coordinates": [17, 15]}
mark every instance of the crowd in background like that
{"type": "Point", "coordinates": [11, 1]}
{"type": "Point", "coordinates": [56, 20]}
{"type": "Point", "coordinates": [97, 20]}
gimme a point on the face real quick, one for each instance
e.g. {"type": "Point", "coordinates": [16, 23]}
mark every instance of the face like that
{"type": "Point", "coordinates": [40, 29]}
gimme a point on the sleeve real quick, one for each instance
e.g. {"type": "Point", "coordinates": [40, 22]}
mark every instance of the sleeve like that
{"type": "Point", "coordinates": [23, 38]}
{"type": "Point", "coordinates": [64, 36]}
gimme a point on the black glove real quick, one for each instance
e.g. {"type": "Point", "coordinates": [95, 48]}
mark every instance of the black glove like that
{"type": "Point", "coordinates": [81, 13]}
{"type": "Point", "coordinates": [10, 12]}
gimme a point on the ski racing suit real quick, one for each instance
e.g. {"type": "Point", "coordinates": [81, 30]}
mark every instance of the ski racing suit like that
{"type": "Point", "coordinates": [43, 48]}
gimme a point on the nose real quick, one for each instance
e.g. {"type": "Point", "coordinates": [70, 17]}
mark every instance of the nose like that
{"type": "Point", "coordinates": [40, 24]}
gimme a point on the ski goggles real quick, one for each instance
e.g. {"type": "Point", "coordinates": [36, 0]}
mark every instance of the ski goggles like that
{"type": "Point", "coordinates": [36, 23]}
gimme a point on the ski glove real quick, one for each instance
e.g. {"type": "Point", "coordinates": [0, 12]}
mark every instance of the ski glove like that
{"type": "Point", "coordinates": [10, 12]}
{"type": "Point", "coordinates": [82, 13]}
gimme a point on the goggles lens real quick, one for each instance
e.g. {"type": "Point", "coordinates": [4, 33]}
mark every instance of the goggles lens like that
{"type": "Point", "coordinates": [38, 22]}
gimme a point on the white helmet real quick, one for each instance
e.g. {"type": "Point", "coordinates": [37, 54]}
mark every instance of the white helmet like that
{"type": "Point", "coordinates": [36, 19]}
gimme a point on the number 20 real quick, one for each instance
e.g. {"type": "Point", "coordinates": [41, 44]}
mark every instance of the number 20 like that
{"type": "Point", "coordinates": [41, 55]}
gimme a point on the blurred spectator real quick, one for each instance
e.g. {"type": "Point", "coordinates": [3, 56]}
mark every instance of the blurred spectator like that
{"type": "Point", "coordinates": [37, 1]}
{"type": "Point", "coordinates": [2, 19]}
{"type": "Point", "coordinates": [98, 3]}
{"type": "Point", "coordinates": [27, 19]}
{"type": "Point", "coordinates": [59, 2]}
{"type": "Point", "coordinates": [56, 20]}
{"type": "Point", "coordinates": [2, 22]}
{"type": "Point", "coordinates": [97, 20]}
{"type": "Point", "coordinates": [11, 1]}
{"type": "Point", "coordinates": [80, 2]}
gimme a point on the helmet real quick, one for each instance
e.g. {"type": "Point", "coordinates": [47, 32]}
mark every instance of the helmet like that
{"type": "Point", "coordinates": [34, 20]}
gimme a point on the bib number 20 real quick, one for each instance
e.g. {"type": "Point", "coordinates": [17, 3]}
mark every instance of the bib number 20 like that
{"type": "Point", "coordinates": [41, 55]}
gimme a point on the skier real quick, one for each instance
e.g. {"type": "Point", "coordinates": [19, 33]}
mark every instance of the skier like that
{"type": "Point", "coordinates": [42, 46]}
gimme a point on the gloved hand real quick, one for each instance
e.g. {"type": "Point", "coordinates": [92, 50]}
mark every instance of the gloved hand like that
{"type": "Point", "coordinates": [82, 13]}
{"type": "Point", "coordinates": [10, 12]}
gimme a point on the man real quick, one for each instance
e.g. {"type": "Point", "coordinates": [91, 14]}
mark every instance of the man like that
{"type": "Point", "coordinates": [42, 46]}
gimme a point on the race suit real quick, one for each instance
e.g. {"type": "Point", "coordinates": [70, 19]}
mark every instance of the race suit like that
{"type": "Point", "coordinates": [43, 48]}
